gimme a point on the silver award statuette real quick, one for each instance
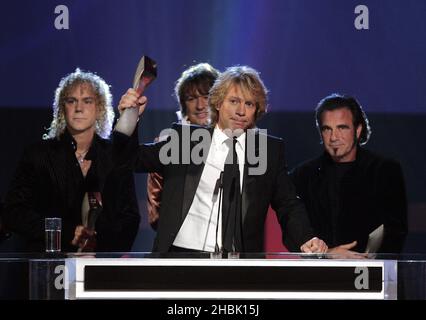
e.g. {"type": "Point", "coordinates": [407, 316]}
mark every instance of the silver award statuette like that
{"type": "Point", "coordinates": [146, 72]}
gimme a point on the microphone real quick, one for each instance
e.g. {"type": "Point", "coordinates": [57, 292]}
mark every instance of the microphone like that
{"type": "Point", "coordinates": [217, 186]}
{"type": "Point", "coordinates": [218, 189]}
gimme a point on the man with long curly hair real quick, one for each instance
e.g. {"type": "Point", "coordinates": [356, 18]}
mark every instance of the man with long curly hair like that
{"type": "Point", "coordinates": [70, 175]}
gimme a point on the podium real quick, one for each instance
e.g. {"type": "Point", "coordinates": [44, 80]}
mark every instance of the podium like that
{"type": "Point", "coordinates": [259, 276]}
{"type": "Point", "coordinates": [289, 276]}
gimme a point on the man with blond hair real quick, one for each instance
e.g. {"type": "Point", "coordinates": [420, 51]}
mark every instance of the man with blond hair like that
{"type": "Point", "coordinates": [195, 216]}
{"type": "Point", "coordinates": [70, 174]}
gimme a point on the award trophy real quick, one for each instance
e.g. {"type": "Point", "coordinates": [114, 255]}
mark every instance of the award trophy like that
{"type": "Point", "coordinates": [95, 209]}
{"type": "Point", "coordinates": [146, 72]}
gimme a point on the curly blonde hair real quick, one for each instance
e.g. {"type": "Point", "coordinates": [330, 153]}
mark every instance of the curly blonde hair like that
{"type": "Point", "coordinates": [250, 83]}
{"type": "Point", "coordinates": [103, 101]}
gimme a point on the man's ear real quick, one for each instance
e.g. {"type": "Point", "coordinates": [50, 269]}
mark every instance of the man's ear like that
{"type": "Point", "coordinates": [358, 131]}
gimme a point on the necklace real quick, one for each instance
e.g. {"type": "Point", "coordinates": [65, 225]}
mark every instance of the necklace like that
{"type": "Point", "coordinates": [80, 156]}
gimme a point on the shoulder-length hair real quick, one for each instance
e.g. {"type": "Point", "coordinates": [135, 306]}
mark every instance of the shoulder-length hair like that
{"type": "Point", "coordinates": [250, 83]}
{"type": "Point", "coordinates": [103, 102]}
{"type": "Point", "coordinates": [337, 101]}
{"type": "Point", "coordinates": [199, 77]}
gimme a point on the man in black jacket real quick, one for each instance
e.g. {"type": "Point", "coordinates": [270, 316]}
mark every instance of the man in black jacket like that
{"type": "Point", "coordinates": [192, 92]}
{"type": "Point", "coordinates": [70, 175]}
{"type": "Point", "coordinates": [349, 191]}
{"type": "Point", "coordinates": [192, 215]}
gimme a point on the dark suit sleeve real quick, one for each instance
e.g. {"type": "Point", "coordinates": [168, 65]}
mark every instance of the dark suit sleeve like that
{"type": "Point", "coordinates": [128, 154]}
{"type": "Point", "coordinates": [19, 213]}
{"type": "Point", "coordinates": [148, 158]}
{"type": "Point", "coordinates": [291, 212]}
{"type": "Point", "coordinates": [118, 223]}
{"type": "Point", "coordinates": [393, 197]}
{"type": "Point", "coordinates": [124, 150]}
{"type": "Point", "coordinates": [298, 180]}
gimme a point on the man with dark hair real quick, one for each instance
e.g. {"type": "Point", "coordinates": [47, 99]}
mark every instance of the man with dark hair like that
{"type": "Point", "coordinates": [193, 217]}
{"type": "Point", "coordinates": [192, 93]}
{"type": "Point", "coordinates": [349, 191]}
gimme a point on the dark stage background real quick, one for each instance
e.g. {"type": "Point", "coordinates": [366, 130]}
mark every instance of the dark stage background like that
{"type": "Point", "coordinates": [304, 49]}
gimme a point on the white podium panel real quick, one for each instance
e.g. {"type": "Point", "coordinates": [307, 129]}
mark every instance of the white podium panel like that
{"type": "Point", "coordinates": [145, 278]}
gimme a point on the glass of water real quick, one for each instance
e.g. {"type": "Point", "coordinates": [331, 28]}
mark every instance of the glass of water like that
{"type": "Point", "coordinates": [52, 228]}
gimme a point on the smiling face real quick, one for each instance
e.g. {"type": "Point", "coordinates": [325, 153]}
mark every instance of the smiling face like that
{"type": "Point", "coordinates": [339, 134]}
{"type": "Point", "coordinates": [197, 108]}
{"type": "Point", "coordinates": [238, 109]}
{"type": "Point", "coordinates": [81, 110]}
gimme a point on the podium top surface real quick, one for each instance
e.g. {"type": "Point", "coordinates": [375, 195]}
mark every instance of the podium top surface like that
{"type": "Point", "coordinates": [28, 256]}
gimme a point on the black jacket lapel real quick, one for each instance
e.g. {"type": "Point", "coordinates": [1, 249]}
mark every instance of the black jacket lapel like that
{"type": "Point", "coordinates": [192, 178]}
{"type": "Point", "coordinates": [249, 187]}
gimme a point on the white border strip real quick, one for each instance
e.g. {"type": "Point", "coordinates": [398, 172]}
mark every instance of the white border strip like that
{"type": "Point", "coordinates": [81, 263]}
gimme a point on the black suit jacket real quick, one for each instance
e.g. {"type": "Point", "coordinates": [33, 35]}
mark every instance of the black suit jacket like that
{"type": "Point", "coordinates": [371, 193]}
{"type": "Point", "coordinates": [258, 193]}
{"type": "Point", "coordinates": [48, 183]}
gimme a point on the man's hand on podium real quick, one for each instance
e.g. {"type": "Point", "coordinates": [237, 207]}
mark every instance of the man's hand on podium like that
{"type": "Point", "coordinates": [343, 252]}
{"type": "Point", "coordinates": [315, 245]}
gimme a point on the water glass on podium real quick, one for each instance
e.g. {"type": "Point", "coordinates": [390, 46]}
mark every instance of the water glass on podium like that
{"type": "Point", "coordinates": [52, 228]}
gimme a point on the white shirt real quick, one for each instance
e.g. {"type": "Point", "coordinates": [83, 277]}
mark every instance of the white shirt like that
{"type": "Point", "coordinates": [198, 231]}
